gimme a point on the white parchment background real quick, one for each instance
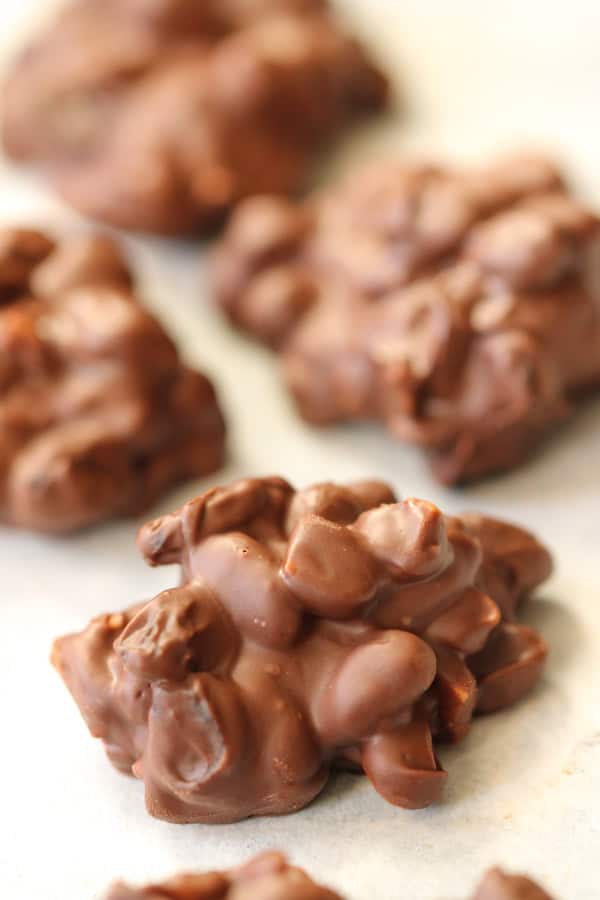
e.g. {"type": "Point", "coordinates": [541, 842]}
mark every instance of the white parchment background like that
{"type": "Point", "coordinates": [524, 788]}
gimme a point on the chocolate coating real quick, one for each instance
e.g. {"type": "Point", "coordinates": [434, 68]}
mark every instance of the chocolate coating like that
{"type": "Point", "coordinates": [98, 415]}
{"type": "Point", "coordinates": [312, 629]}
{"type": "Point", "coordinates": [160, 114]}
{"type": "Point", "coordinates": [499, 885]}
{"type": "Point", "coordinates": [460, 308]}
{"type": "Point", "coordinates": [266, 877]}
{"type": "Point", "coordinates": [270, 877]}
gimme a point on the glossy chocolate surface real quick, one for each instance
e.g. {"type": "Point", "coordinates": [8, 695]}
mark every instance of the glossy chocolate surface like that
{"type": "Point", "coordinates": [460, 308]}
{"type": "Point", "coordinates": [98, 415]}
{"type": "Point", "coordinates": [312, 629]}
{"type": "Point", "coordinates": [159, 115]}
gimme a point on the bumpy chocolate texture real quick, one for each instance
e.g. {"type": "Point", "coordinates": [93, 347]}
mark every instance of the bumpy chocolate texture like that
{"type": "Point", "coordinates": [326, 627]}
{"type": "Point", "coordinates": [97, 413]}
{"type": "Point", "coordinates": [266, 877]}
{"type": "Point", "coordinates": [160, 114]}
{"type": "Point", "coordinates": [460, 308]}
{"type": "Point", "coordinates": [270, 877]}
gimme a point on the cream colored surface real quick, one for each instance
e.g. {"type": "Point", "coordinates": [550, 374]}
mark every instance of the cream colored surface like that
{"type": "Point", "coordinates": [524, 788]}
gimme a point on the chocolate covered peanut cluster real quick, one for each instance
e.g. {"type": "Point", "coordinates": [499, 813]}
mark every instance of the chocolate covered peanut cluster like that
{"type": "Point", "coordinates": [499, 885]}
{"type": "Point", "coordinates": [270, 877]}
{"type": "Point", "coordinates": [266, 877]}
{"type": "Point", "coordinates": [160, 114]}
{"type": "Point", "coordinates": [98, 415]}
{"type": "Point", "coordinates": [314, 629]}
{"type": "Point", "coordinates": [461, 308]}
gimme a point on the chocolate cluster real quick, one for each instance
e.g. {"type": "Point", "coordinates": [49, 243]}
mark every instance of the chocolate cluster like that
{"type": "Point", "coordinates": [499, 885]}
{"type": "Point", "coordinates": [161, 114]}
{"type": "Point", "coordinates": [98, 415]}
{"type": "Point", "coordinates": [327, 627]}
{"type": "Point", "coordinates": [266, 877]}
{"type": "Point", "coordinates": [270, 877]}
{"type": "Point", "coordinates": [461, 308]}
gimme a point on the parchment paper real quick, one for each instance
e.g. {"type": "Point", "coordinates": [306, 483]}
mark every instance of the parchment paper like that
{"type": "Point", "coordinates": [524, 788]}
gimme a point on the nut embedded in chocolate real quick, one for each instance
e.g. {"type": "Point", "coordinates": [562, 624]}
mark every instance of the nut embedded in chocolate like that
{"type": "Point", "coordinates": [270, 877]}
{"type": "Point", "coordinates": [160, 116]}
{"type": "Point", "coordinates": [265, 877]}
{"type": "Point", "coordinates": [98, 415]}
{"type": "Point", "coordinates": [460, 308]}
{"type": "Point", "coordinates": [312, 629]}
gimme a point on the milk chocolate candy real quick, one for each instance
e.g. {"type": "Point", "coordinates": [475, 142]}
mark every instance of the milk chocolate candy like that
{"type": "Point", "coordinates": [314, 629]}
{"type": "Point", "coordinates": [266, 877]}
{"type": "Point", "coordinates": [270, 877]}
{"type": "Point", "coordinates": [499, 885]}
{"type": "Point", "coordinates": [462, 309]}
{"type": "Point", "coordinates": [160, 114]}
{"type": "Point", "coordinates": [98, 415]}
